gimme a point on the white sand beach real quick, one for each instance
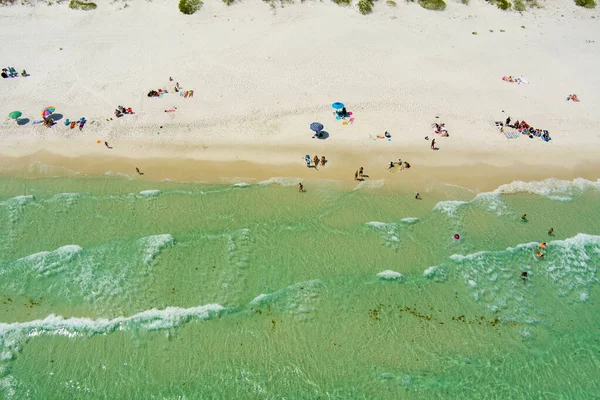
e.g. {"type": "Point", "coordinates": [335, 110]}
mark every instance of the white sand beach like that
{"type": "Point", "coordinates": [260, 76]}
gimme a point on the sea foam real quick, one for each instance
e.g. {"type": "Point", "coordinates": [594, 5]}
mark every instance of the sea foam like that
{"type": "Point", "coordinates": [297, 299]}
{"type": "Point", "coordinates": [555, 189]}
{"type": "Point", "coordinates": [150, 193]}
{"type": "Point", "coordinates": [153, 319]}
{"type": "Point", "coordinates": [281, 181]}
{"type": "Point", "coordinates": [47, 263]}
{"type": "Point", "coordinates": [153, 245]}
{"type": "Point", "coordinates": [569, 265]}
{"type": "Point", "coordinates": [389, 275]}
{"type": "Point", "coordinates": [368, 184]}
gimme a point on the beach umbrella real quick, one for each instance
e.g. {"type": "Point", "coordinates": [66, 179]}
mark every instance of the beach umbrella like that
{"type": "Point", "coordinates": [337, 105]}
{"type": "Point", "coordinates": [316, 126]}
{"type": "Point", "coordinates": [48, 110]}
{"type": "Point", "coordinates": [15, 114]}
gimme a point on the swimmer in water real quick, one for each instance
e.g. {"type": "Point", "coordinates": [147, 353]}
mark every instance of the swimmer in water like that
{"type": "Point", "coordinates": [539, 254]}
{"type": "Point", "coordinates": [524, 276]}
{"type": "Point", "coordinates": [550, 231]}
{"type": "Point", "coordinates": [543, 245]}
{"type": "Point", "coordinates": [417, 196]}
{"type": "Point", "coordinates": [524, 217]}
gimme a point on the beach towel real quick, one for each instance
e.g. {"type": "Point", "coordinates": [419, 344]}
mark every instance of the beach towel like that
{"type": "Point", "coordinates": [39, 121]}
{"type": "Point", "coordinates": [521, 79]}
{"type": "Point", "coordinates": [170, 111]}
{"type": "Point", "coordinates": [352, 120]}
{"type": "Point", "coordinates": [511, 135]}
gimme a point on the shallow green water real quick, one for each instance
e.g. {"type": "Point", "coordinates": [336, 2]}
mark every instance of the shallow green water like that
{"type": "Point", "coordinates": [114, 288]}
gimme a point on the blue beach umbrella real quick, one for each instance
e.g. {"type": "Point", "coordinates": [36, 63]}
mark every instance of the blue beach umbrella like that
{"type": "Point", "coordinates": [316, 126]}
{"type": "Point", "coordinates": [337, 105]}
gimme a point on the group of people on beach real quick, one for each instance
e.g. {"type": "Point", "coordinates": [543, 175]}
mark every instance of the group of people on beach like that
{"type": "Point", "coordinates": [315, 161]}
{"type": "Point", "coordinates": [400, 163]}
{"type": "Point", "coordinates": [11, 72]}
{"type": "Point", "coordinates": [120, 110]}
{"type": "Point", "coordinates": [524, 128]}
{"type": "Point", "coordinates": [440, 129]}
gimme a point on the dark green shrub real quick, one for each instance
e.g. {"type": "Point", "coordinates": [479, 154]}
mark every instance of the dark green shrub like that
{"type": "Point", "coordinates": [82, 5]}
{"type": "Point", "coordinates": [503, 4]}
{"type": "Point", "coordinates": [436, 5]}
{"type": "Point", "coordinates": [342, 2]}
{"type": "Point", "coordinates": [365, 6]}
{"type": "Point", "coordinates": [586, 3]}
{"type": "Point", "coordinates": [189, 6]}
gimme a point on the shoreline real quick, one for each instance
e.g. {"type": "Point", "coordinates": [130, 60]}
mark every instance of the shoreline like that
{"type": "Point", "coordinates": [477, 176]}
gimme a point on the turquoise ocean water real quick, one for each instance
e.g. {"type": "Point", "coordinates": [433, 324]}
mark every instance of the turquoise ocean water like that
{"type": "Point", "coordinates": [122, 289]}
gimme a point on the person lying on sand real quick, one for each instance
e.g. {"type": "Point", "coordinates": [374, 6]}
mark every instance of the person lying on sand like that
{"type": "Point", "coordinates": [573, 97]}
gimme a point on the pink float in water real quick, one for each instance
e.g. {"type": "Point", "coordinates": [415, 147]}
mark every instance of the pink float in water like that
{"type": "Point", "coordinates": [456, 236]}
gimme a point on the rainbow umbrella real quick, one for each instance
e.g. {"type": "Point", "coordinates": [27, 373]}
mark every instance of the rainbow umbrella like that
{"type": "Point", "coordinates": [48, 110]}
{"type": "Point", "coordinates": [15, 114]}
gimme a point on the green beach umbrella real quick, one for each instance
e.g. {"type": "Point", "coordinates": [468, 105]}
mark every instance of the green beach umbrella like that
{"type": "Point", "coordinates": [15, 114]}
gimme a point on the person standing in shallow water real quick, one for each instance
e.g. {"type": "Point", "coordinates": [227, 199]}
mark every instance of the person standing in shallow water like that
{"type": "Point", "coordinates": [433, 144]}
{"type": "Point", "coordinates": [550, 231]}
{"type": "Point", "coordinates": [524, 217]}
{"type": "Point", "coordinates": [300, 187]}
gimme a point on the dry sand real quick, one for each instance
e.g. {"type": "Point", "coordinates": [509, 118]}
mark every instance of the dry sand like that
{"type": "Point", "coordinates": [260, 77]}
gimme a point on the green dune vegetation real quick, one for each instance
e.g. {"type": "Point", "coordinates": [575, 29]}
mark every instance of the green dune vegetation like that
{"type": "Point", "coordinates": [586, 3]}
{"type": "Point", "coordinates": [189, 6]}
{"type": "Point", "coordinates": [82, 5]}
